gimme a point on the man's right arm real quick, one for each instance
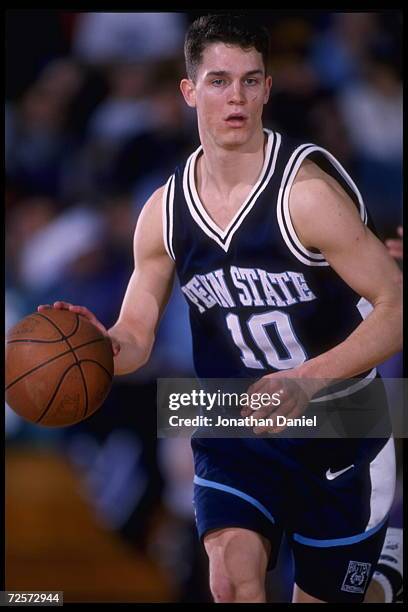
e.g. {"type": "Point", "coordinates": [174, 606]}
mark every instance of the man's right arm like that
{"type": "Point", "coordinates": [146, 296]}
{"type": "Point", "coordinates": [148, 290]}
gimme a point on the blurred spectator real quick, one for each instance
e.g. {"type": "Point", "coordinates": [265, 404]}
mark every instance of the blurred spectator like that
{"type": "Point", "coordinates": [372, 112]}
{"type": "Point", "coordinates": [147, 159]}
{"type": "Point", "coordinates": [13, 311]}
{"type": "Point", "coordinates": [26, 218]}
{"type": "Point", "coordinates": [50, 255]}
{"type": "Point", "coordinates": [33, 38]}
{"type": "Point", "coordinates": [126, 110]}
{"type": "Point", "coordinates": [122, 113]}
{"type": "Point", "coordinates": [295, 92]}
{"type": "Point", "coordinates": [339, 53]}
{"type": "Point", "coordinates": [295, 86]}
{"type": "Point", "coordinates": [62, 78]}
{"type": "Point", "coordinates": [329, 131]}
{"type": "Point", "coordinates": [105, 37]}
{"type": "Point", "coordinates": [38, 144]}
{"type": "Point", "coordinates": [175, 544]}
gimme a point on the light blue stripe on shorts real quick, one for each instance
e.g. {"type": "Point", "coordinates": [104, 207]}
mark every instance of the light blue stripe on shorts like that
{"type": "Point", "coordinates": [339, 541]}
{"type": "Point", "coordinates": [203, 482]}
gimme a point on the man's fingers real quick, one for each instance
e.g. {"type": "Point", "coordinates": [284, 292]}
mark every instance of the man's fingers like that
{"type": "Point", "coordinates": [115, 346]}
{"type": "Point", "coordinates": [393, 243]}
{"type": "Point", "coordinates": [395, 248]}
{"type": "Point", "coordinates": [74, 308]}
{"type": "Point", "coordinates": [272, 410]}
{"type": "Point", "coordinates": [265, 385]}
{"type": "Point", "coordinates": [291, 411]}
{"type": "Point", "coordinates": [83, 311]}
{"type": "Point", "coordinates": [61, 305]}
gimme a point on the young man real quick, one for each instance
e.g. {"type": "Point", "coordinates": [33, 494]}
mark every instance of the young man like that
{"type": "Point", "coordinates": [279, 269]}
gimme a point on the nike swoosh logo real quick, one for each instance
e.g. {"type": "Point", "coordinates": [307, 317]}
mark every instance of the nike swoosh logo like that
{"type": "Point", "coordinates": [332, 475]}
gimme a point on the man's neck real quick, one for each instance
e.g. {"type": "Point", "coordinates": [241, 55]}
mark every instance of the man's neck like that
{"type": "Point", "coordinates": [223, 169]}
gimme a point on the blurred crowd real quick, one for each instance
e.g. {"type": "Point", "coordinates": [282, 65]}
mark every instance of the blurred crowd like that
{"type": "Point", "coordinates": [94, 123]}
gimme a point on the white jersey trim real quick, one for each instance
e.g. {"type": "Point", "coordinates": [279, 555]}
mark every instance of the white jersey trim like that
{"type": "Point", "coordinates": [382, 476]}
{"type": "Point", "coordinates": [167, 216]}
{"type": "Point", "coordinates": [364, 307]}
{"type": "Point", "coordinates": [284, 220]}
{"type": "Point", "coordinates": [349, 390]}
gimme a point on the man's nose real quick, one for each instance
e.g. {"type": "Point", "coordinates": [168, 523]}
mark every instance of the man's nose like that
{"type": "Point", "coordinates": [236, 93]}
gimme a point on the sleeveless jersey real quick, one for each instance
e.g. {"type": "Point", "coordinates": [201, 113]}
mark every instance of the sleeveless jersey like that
{"type": "Point", "coordinates": [259, 301]}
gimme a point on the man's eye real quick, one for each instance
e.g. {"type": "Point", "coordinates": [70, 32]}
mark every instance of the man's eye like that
{"type": "Point", "coordinates": [251, 81]}
{"type": "Point", "coordinates": [217, 82]}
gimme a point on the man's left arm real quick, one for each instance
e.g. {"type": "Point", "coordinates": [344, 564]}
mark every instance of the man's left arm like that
{"type": "Point", "coordinates": [324, 217]}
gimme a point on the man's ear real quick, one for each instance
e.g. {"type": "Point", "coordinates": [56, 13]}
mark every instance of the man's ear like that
{"type": "Point", "coordinates": [268, 85]}
{"type": "Point", "coordinates": [188, 90]}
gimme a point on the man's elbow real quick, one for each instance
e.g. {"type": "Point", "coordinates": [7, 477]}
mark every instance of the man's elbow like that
{"type": "Point", "coordinates": [146, 355]}
{"type": "Point", "coordinates": [397, 310]}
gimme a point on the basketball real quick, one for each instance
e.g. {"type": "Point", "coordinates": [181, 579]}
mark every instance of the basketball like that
{"type": "Point", "coordinates": [59, 368]}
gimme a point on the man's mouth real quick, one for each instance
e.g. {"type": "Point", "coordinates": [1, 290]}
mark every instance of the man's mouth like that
{"type": "Point", "coordinates": [236, 119]}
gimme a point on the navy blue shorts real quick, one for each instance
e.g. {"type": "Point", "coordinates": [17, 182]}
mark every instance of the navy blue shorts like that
{"type": "Point", "coordinates": [331, 497]}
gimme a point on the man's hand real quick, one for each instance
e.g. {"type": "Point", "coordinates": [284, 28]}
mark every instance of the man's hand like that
{"type": "Point", "coordinates": [83, 311]}
{"type": "Point", "coordinates": [294, 395]}
{"type": "Point", "coordinates": [395, 246]}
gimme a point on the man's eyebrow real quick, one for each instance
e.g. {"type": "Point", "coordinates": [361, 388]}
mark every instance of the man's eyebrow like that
{"type": "Point", "coordinates": [219, 73]}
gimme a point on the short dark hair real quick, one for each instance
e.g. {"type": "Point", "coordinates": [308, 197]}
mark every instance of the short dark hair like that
{"type": "Point", "coordinates": [239, 30]}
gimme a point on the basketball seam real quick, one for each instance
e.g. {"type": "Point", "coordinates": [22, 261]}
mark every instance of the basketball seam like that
{"type": "Point", "coordinates": [64, 337]}
{"type": "Point", "coordinates": [70, 350]}
{"type": "Point", "coordinates": [34, 341]}
{"type": "Point", "coordinates": [98, 363]}
{"type": "Point", "coordinates": [58, 328]}
{"type": "Point", "coordinates": [56, 391]}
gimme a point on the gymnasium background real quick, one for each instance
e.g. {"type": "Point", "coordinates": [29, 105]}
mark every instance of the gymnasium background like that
{"type": "Point", "coordinates": [94, 122]}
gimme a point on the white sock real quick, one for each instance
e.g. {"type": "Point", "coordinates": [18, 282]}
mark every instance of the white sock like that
{"type": "Point", "coordinates": [389, 567]}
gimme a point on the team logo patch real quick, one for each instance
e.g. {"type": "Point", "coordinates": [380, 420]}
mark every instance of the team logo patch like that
{"type": "Point", "coordinates": [356, 578]}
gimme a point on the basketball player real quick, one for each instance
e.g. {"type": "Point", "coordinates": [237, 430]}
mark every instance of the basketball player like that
{"type": "Point", "coordinates": [270, 240]}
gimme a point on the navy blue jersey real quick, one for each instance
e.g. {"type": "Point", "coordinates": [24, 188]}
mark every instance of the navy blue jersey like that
{"type": "Point", "coordinates": [259, 301]}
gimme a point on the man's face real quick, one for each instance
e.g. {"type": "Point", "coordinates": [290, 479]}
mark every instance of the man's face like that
{"type": "Point", "coordinates": [229, 94]}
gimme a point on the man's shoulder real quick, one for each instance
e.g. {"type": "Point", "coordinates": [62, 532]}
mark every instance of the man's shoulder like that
{"type": "Point", "coordinates": [156, 197]}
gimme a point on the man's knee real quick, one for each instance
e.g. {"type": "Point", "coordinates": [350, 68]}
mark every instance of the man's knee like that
{"type": "Point", "coordinates": [227, 590]}
{"type": "Point", "coordinates": [222, 588]}
{"type": "Point", "coordinates": [238, 560]}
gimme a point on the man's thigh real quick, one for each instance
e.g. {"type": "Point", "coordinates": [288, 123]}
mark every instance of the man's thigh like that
{"type": "Point", "coordinates": [242, 553]}
{"type": "Point", "coordinates": [227, 511]}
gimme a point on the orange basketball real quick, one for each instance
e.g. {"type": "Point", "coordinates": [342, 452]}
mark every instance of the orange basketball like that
{"type": "Point", "coordinates": [59, 368]}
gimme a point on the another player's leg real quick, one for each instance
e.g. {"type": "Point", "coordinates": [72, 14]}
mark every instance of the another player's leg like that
{"type": "Point", "coordinates": [238, 561]}
{"type": "Point", "coordinates": [387, 583]}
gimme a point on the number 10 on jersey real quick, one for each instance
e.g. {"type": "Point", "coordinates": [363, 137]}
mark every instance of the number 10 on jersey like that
{"type": "Point", "coordinates": [256, 325]}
